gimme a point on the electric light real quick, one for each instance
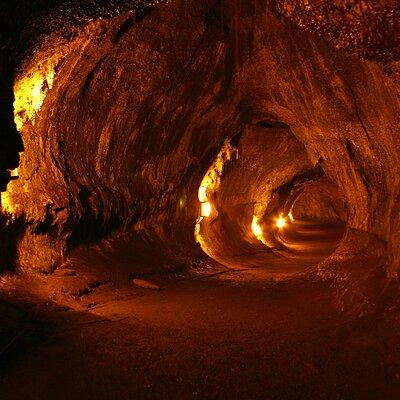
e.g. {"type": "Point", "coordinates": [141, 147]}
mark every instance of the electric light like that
{"type": "Point", "coordinates": [205, 209]}
{"type": "Point", "coordinates": [202, 194]}
{"type": "Point", "coordinates": [255, 227]}
{"type": "Point", "coordinates": [209, 185]}
{"type": "Point", "coordinates": [281, 222]}
{"type": "Point", "coordinates": [290, 215]}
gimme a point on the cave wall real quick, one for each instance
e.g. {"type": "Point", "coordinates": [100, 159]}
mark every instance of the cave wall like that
{"type": "Point", "coordinates": [266, 158]}
{"type": "Point", "coordinates": [318, 205]}
{"type": "Point", "coordinates": [129, 113]}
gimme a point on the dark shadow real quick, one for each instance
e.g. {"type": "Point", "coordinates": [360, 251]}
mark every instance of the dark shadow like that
{"type": "Point", "coordinates": [10, 232]}
{"type": "Point", "coordinates": [10, 139]}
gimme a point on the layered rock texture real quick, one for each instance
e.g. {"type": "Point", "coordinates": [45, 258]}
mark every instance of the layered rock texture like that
{"type": "Point", "coordinates": [207, 203]}
{"type": "Point", "coordinates": [124, 109]}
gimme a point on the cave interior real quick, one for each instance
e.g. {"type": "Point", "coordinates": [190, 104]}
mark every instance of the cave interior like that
{"type": "Point", "coordinates": [199, 199]}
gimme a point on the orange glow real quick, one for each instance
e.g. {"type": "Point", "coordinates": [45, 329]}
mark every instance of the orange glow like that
{"type": "Point", "coordinates": [206, 209]}
{"type": "Point", "coordinates": [256, 228]}
{"type": "Point", "coordinates": [212, 179]}
{"type": "Point", "coordinates": [6, 204]}
{"type": "Point", "coordinates": [281, 222]}
{"type": "Point", "coordinates": [15, 172]}
{"type": "Point", "coordinates": [290, 215]}
{"type": "Point", "coordinates": [202, 194]}
{"type": "Point", "coordinates": [209, 185]}
{"type": "Point", "coordinates": [30, 92]}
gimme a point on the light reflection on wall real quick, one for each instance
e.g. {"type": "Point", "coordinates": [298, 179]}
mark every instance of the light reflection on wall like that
{"type": "Point", "coordinates": [210, 184]}
{"type": "Point", "coordinates": [256, 228]}
{"type": "Point", "coordinates": [6, 203]}
{"type": "Point", "coordinates": [30, 92]}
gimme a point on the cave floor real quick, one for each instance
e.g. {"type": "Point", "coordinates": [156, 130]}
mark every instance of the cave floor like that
{"type": "Point", "coordinates": [210, 333]}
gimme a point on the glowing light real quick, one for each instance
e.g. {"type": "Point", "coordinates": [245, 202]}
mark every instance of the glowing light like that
{"type": "Point", "coordinates": [281, 222]}
{"type": "Point", "coordinates": [182, 201]}
{"type": "Point", "coordinates": [6, 203]}
{"type": "Point", "coordinates": [290, 215]}
{"type": "Point", "coordinates": [212, 179]}
{"type": "Point", "coordinates": [202, 194]}
{"type": "Point", "coordinates": [209, 185]}
{"type": "Point", "coordinates": [205, 209]}
{"type": "Point", "coordinates": [256, 228]}
{"type": "Point", "coordinates": [14, 173]}
{"type": "Point", "coordinates": [30, 92]}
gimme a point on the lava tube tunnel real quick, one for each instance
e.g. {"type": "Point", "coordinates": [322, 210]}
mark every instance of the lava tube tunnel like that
{"type": "Point", "coordinates": [264, 205]}
{"type": "Point", "coordinates": [199, 199]}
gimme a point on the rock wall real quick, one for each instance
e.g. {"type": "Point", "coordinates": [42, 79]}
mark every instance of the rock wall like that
{"type": "Point", "coordinates": [122, 119]}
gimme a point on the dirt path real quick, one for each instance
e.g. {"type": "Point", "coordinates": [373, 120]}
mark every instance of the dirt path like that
{"type": "Point", "coordinates": [226, 337]}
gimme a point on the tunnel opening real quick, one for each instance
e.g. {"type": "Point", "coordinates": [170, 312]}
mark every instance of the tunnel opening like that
{"type": "Point", "coordinates": [316, 221]}
{"type": "Point", "coordinates": [267, 207]}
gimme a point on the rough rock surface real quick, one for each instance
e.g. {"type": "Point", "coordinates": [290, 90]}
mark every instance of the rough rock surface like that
{"type": "Point", "coordinates": [158, 133]}
{"type": "Point", "coordinates": [367, 28]}
{"type": "Point", "coordinates": [122, 118]}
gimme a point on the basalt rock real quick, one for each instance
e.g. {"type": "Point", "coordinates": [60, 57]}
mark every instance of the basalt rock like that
{"type": "Point", "coordinates": [122, 117]}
